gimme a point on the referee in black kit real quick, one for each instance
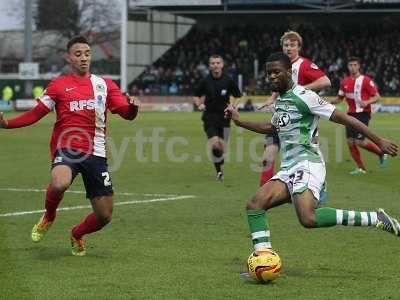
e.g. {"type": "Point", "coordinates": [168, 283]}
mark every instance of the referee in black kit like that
{"type": "Point", "coordinates": [212, 97]}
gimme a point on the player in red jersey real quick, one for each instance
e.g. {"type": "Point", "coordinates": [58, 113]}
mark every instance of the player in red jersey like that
{"type": "Point", "coordinates": [81, 101]}
{"type": "Point", "coordinates": [305, 73]}
{"type": "Point", "coordinates": [360, 92]}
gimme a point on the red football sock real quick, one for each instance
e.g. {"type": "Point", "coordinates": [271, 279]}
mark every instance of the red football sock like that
{"type": "Point", "coordinates": [267, 174]}
{"type": "Point", "coordinates": [53, 199]}
{"type": "Point", "coordinates": [89, 225]}
{"type": "Point", "coordinates": [371, 147]}
{"type": "Point", "coordinates": [355, 153]}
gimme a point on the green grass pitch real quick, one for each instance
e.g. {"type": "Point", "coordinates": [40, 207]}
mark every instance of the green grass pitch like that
{"type": "Point", "coordinates": [193, 247]}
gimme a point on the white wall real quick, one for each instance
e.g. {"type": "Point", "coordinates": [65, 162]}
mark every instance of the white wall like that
{"type": "Point", "coordinates": [149, 39]}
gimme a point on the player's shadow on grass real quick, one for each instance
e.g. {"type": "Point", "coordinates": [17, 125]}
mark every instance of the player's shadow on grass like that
{"type": "Point", "coordinates": [326, 272]}
{"type": "Point", "coordinates": [53, 253]}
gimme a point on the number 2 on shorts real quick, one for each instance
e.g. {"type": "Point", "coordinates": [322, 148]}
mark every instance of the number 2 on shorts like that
{"type": "Point", "coordinates": [106, 176]}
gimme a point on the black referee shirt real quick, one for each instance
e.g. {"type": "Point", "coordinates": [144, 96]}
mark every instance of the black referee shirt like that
{"type": "Point", "coordinates": [217, 92]}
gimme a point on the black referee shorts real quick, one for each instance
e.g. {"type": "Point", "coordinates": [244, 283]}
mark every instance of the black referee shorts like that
{"type": "Point", "coordinates": [363, 118]}
{"type": "Point", "coordinates": [216, 125]}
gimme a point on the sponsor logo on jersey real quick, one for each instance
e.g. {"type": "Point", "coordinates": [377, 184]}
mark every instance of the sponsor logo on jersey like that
{"type": "Point", "coordinates": [280, 120]}
{"type": "Point", "coordinates": [82, 104]}
{"type": "Point", "coordinates": [70, 89]}
{"type": "Point", "coordinates": [314, 66]}
{"type": "Point", "coordinates": [100, 88]}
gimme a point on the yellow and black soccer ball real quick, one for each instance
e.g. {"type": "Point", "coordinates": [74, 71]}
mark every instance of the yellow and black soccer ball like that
{"type": "Point", "coordinates": [264, 266]}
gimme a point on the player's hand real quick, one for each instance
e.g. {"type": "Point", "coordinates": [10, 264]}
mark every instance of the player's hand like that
{"type": "Point", "coordinates": [232, 113]}
{"type": "Point", "coordinates": [388, 147]}
{"type": "Point", "coordinates": [3, 123]}
{"type": "Point", "coordinates": [134, 101]}
{"type": "Point", "coordinates": [201, 107]}
{"type": "Point", "coordinates": [363, 104]}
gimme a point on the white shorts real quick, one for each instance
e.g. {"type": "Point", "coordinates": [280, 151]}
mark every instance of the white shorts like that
{"type": "Point", "coordinates": [302, 176]}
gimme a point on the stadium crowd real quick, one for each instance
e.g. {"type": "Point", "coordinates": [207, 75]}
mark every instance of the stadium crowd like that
{"type": "Point", "coordinates": [328, 45]}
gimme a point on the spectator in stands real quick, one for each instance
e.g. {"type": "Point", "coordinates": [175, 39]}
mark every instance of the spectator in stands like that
{"type": "Point", "coordinates": [186, 62]}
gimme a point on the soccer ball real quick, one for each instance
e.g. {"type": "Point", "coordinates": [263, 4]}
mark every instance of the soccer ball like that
{"type": "Point", "coordinates": [264, 267]}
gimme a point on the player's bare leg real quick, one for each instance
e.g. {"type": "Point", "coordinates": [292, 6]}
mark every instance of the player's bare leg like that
{"type": "Point", "coordinates": [312, 217]}
{"type": "Point", "coordinates": [61, 178]}
{"type": "Point", "coordinates": [305, 205]}
{"type": "Point", "coordinates": [270, 155]}
{"type": "Point", "coordinates": [271, 194]}
{"type": "Point", "coordinates": [356, 155]}
{"type": "Point", "coordinates": [373, 148]}
{"type": "Point", "coordinates": [217, 152]}
{"type": "Point", "coordinates": [100, 217]}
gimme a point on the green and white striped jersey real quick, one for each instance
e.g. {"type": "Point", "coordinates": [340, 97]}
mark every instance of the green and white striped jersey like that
{"type": "Point", "coordinates": [296, 119]}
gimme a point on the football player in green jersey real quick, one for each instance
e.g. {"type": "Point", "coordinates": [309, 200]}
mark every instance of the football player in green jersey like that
{"type": "Point", "coordinates": [302, 172]}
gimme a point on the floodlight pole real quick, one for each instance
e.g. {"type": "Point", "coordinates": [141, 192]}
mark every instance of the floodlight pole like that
{"type": "Point", "coordinates": [124, 44]}
{"type": "Point", "coordinates": [28, 43]}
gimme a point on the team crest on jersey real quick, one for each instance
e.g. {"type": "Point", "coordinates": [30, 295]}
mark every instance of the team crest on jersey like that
{"type": "Point", "coordinates": [100, 88]}
{"type": "Point", "coordinates": [223, 92]}
{"type": "Point", "coordinates": [58, 159]}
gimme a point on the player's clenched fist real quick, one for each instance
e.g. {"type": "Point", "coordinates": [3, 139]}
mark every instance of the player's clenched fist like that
{"type": "Point", "coordinates": [132, 100]}
{"type": "Point", "coordinates": [231, 112]}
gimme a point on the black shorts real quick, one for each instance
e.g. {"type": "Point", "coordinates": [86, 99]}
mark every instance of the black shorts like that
{"type": "Point", "coordinates": [272, 139]}
{"type": "Point", "coordinates": [94, 170]}
{"type": "Point", "coordinates": [363, 118]}
{"type": "Point", "coordinates": [216, 125]}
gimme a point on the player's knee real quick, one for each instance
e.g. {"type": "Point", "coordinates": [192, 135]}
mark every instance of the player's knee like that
{"type": "Point", "coordinates": [267, 163]}
{"type": "Point", "coordinates": [257, 202]}
{"type": "Point", "coordinates": [253, 204]}
{"type": "Point", "coordinates": [307, 221]}
{"type": "Point", "coordinates": [217, 152]}
{"type": "Point", "coordinates": [350, 142]}
{"type": "Point", "coordinates": [104, 217]}
{"type": "Point", "coordinates": [59, 185]}
{"type": "Point", "coordinates": [358, 142]}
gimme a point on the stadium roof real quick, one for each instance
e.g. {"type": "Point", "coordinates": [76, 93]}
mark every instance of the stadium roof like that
{"type": "Point", "coordinates": [195, 7]}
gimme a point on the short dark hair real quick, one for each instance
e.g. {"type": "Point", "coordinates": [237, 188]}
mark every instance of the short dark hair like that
{"type": "Point", "coordinates": [215, 56]}
{"type": "Point", "coordinates": [354, 58]}
{"type": "Point", "coordinates": [281, 57]}
{"type": "Point", "coordinates": [75, 40]}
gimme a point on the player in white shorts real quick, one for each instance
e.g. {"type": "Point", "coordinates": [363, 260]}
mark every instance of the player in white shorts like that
{"type": "Point", "coordinates": [302, 171]}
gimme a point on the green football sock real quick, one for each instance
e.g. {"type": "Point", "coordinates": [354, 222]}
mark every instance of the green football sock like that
{"type": "Point", "coordinates": [327, 217]}
{"type": "Point", "coordinates": [260, 234]}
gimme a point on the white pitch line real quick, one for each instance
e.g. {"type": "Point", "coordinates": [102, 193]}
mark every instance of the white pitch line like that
{"type": "Point", "coordinates": [21, 213]}
{"type": "Point", "coordinates": [83, 192]}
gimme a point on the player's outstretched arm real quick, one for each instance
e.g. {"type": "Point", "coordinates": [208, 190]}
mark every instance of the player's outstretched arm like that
{"type": "Point", "coordinates": [270, 101]}
{"type": "Point", "coordinates": [28, 118]}
{"type": "Point", "coordinates": [130, 111]}
{"type": "Point", "coordinates": [371, 100]}
{"type": "Point", "coordinates": [259, 127]}
{"type": "Point", "coordinates": [319, 84]}
{"type": "Point", "coordinates": [385, 145]}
